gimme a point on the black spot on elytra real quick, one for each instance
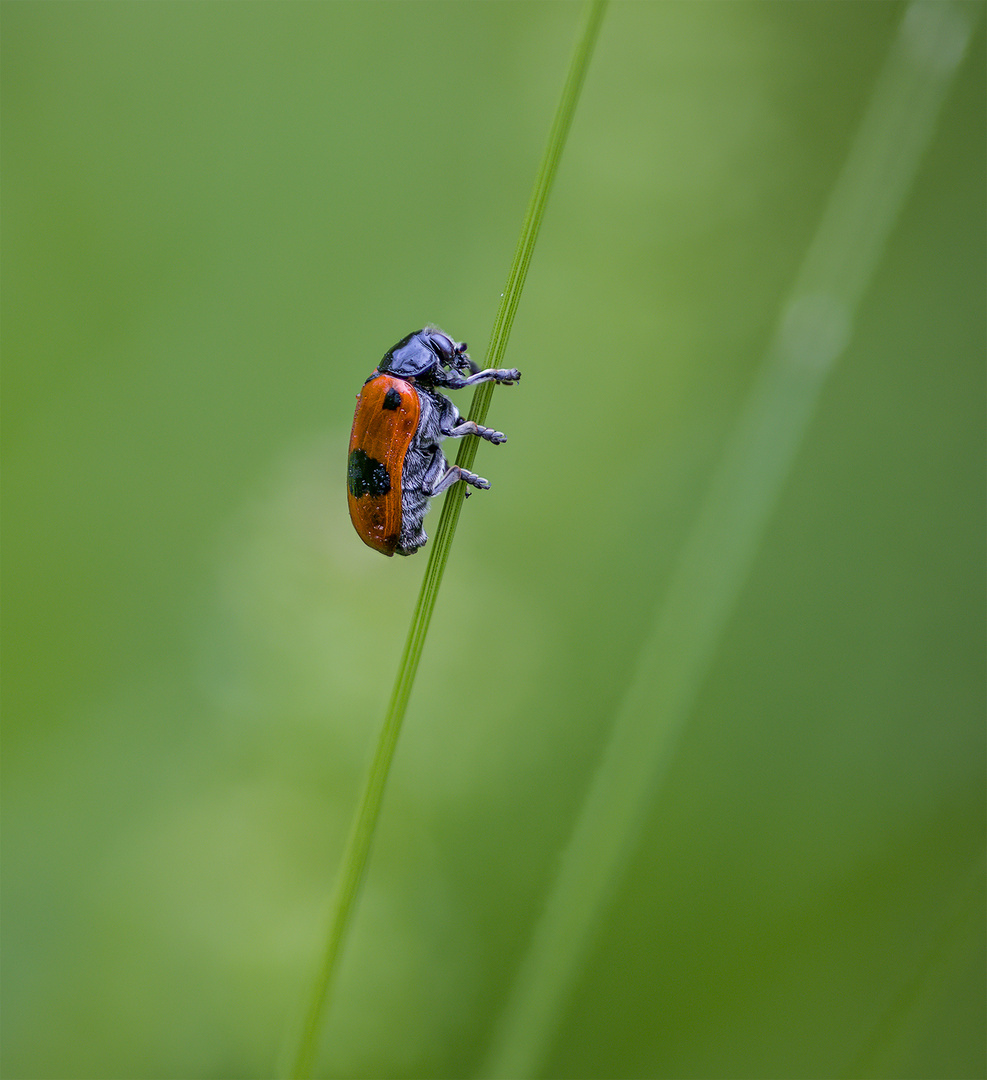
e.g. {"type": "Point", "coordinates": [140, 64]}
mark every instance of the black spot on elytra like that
{"type": "Point", "coordinates": [392, 399]}
{"type": "Point", "coordinates": [367, 475]}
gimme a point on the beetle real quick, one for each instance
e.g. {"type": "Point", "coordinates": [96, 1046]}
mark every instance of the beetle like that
{"type": "Point", "coordinates": [395, 463]}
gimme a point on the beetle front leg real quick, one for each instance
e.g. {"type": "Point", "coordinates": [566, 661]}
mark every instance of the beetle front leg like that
{"type": "Point", "coordinates": [457, 472]}
{"type": "Point", "coordinates": [497, 375]}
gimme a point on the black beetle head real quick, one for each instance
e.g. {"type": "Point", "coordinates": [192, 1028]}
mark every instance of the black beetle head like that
{"type": "Point", "coordinates": [424, 353]}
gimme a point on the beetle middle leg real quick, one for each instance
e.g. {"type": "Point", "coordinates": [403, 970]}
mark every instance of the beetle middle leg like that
{"type": "Point", "coordinates": [454, 473]}
{"type": "Point", "coordinates": [469, 427]}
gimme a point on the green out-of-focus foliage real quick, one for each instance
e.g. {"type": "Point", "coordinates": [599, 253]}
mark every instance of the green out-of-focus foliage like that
{"type": "Point", "coordinates": [216, 218]}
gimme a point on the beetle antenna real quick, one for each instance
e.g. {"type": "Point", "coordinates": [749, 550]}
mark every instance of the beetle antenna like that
{"type": "Point", "coordinates": [474, 367]}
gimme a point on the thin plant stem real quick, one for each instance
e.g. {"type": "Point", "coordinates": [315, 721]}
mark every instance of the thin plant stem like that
{"type": "Point", "coordinates": [815, 326]}
{"type": "Point", "coordinates": [354, 860]}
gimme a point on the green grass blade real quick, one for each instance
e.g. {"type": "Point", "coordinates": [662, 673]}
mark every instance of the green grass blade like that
{"type": "Point", "coordinates": [954, 947]}
{"type": "Point", "coordinates": [815, 326]}
{"type": "Point", "coordinates": [357, 849]}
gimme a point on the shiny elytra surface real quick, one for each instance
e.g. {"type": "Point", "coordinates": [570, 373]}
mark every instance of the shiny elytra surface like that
{"type": "Point", "coordinates": [386, 418]}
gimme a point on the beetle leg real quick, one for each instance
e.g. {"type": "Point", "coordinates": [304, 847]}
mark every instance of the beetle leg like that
{"type": "Point", "coordinates": [497, 375]}
{"type": "Point", "coordinates": [456, 472]}
{"type": "Point", "coordinates": [468, 427]}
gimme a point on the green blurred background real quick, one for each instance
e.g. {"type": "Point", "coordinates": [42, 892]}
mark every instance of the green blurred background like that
{"type": "Point", "coordinates": [216, 218]}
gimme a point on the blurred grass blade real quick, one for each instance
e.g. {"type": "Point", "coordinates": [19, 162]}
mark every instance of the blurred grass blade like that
{"type": "Point", "coordinates": [354, 859]}
{"type": "Point", "coordinates": [954, 947]}
{"type": "Point", "coordinates": [815, 325]}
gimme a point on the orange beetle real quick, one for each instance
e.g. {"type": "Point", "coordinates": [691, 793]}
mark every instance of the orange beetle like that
{"type": "Point", "coordinates": [395, 462]}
